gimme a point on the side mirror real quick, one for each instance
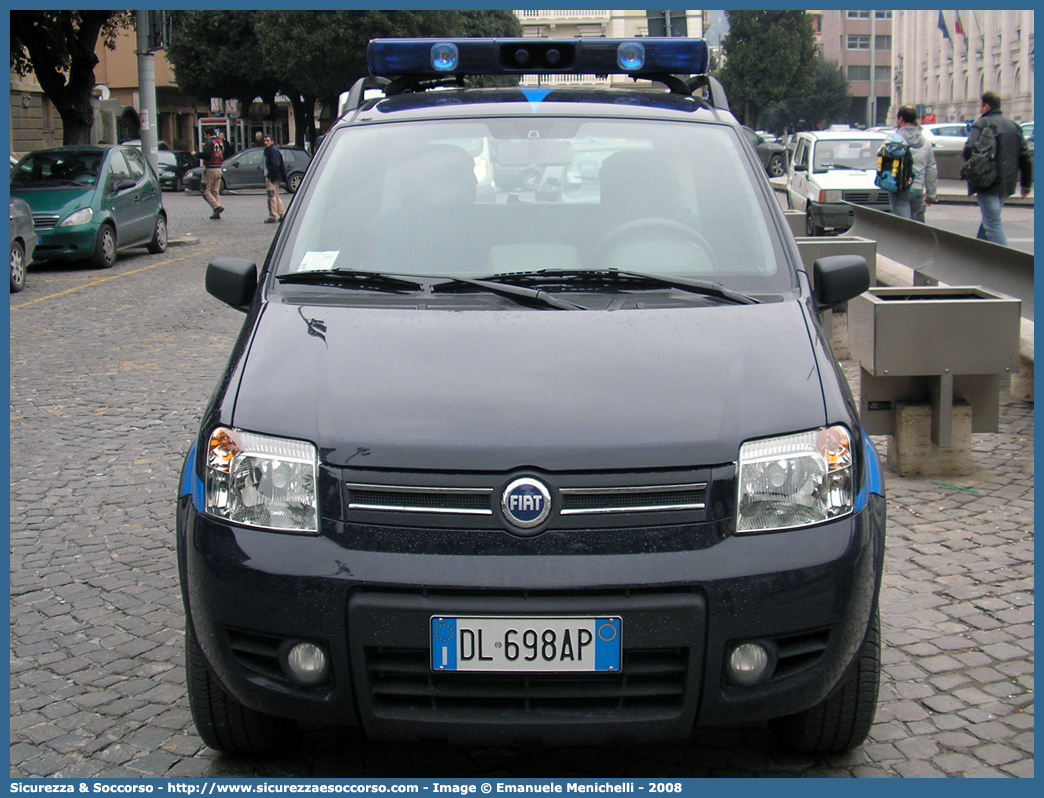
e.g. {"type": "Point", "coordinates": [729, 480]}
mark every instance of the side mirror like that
{"type": "Point", "coordinates": [233, 281]}
{"type": "Point", "coordinates": [839, 278]}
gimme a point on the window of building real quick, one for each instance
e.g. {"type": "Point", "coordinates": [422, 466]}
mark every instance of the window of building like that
{"type": "Point", "coordinates": [858, 14]}
{"type": "Point", "coordinates": [858, 41]}
{"type": "Point", "coordinates": [858, 72]}
{"type": "Point", "coordinates": [882, 42]}
{"type": "Point", "coordinates": [883, 74]}
{"type": "Point", "coordinates": [882, 14]}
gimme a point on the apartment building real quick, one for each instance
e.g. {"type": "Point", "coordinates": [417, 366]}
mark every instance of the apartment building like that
{"type": "Point", "coordinates": [861, 42]}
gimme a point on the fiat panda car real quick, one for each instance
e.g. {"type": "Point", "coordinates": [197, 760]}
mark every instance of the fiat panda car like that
{"type": "Point", "coordinates": [571, 465]}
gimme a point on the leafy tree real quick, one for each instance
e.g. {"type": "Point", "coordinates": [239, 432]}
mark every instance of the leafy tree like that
{"type": "Point", "coordinates": [321, 53]}
{"type": "Point", "coordinates": [58, 46]}
{"type": "Point", "coordinates": [478, 24]}
{"type": "Point", "coordinates": [769, 58]}
{"type": "Point", "coordinates": [827, 102]}
{"type": "Point", "coordinates": [217, 55]}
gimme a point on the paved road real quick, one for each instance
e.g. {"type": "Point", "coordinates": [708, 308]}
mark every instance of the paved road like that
{"type": "Point", "coordinates": [110, 372]}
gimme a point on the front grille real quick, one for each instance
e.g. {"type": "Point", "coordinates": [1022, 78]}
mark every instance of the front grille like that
{"type": "Point", "coordinates": [651, 680]}
{"type": "Point", "coordinates": [867, 197]}
{"type": "Point", "coordinates": [651, 498]}
{"type": "Point", "coordinates": [407, 499]}
{"type": "Point", "coordinates": [44, 222]}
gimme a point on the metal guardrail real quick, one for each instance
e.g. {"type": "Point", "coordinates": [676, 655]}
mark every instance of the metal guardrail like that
{"type": "Point", "coordinates": [939, 256]}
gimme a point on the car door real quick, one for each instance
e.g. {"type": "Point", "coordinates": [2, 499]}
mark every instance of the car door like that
{"type": "Point", "coordinates": [121, 197]}
{"type": "Point", "coordinates": [797, 175]}
{"type": "Point", "coordinates": [246, 170]}
{"type": "Point", "coordinates": [146, 193]}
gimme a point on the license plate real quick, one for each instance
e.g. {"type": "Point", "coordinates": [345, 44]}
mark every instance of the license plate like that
{"type": "Point", "coordinates": [526, 645]}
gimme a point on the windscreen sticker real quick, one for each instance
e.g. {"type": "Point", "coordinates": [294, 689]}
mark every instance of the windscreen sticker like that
{"type": "Point", "coordinates": [318, 261]}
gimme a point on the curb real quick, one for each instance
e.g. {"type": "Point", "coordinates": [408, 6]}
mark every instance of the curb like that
{"type": "Point", "coordinates": [182, 241]}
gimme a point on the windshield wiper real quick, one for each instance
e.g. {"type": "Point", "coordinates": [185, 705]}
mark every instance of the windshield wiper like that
{"type": "Point", "coordinates": [632, 280]}
{"type": "Point", "coordinates": [351, 278]}
{"type": "Point", "coordinates": [514, 292]}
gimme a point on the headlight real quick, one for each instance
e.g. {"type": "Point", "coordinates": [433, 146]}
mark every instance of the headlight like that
{"type": "Point", "coordinates": [81, 216]}
{"type": "Point", "coordinates": [261, 481]}
{"type": "Point", "coordinates": [796, 480]}
{"type": "Point", "coordinates": [166, 174]}
{"type": "Point", "coordinates": [830, 196]}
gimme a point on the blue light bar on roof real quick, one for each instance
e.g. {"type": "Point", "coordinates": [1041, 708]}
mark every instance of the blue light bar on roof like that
{"type": "Point", "coordinates": [590, 56]}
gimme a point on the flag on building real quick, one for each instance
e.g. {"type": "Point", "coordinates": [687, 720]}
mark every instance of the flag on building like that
{"type": "Point", "coordinates": [942, 26]}
{"type": "Point", "coordinates": [958, 28]}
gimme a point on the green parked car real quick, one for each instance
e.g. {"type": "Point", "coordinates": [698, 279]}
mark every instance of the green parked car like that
{"type": "Point", "coordinates": [89, 202]}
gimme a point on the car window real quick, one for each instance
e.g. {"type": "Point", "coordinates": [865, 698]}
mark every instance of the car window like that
{"type": "Point", "coordinates": [252, 158]}
{"type": "Point", "coordinates": [118, 167]}
{"type": "Point", "coordinates": [801, 156]}
{"type": "Point", "coordinates": [288, 156]}
{"type": "Point", "coordinates": [166, 158]}
{"type": "Point", "coordinates": [136, 163]}
{"type": "Point", "coordinates": [456, 187]}
{"type": "Point", "coordinates": [55, 167]}
{"type": "Point", "coordinates": [752, 137]}
{"type": "Point", "coordinates": [845, 154]}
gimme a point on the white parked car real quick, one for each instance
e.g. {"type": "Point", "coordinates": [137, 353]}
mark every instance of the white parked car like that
{"type": "Point", "coordinates": [829, 170]}
{"type": "Point", "coordinates": [946, 135]}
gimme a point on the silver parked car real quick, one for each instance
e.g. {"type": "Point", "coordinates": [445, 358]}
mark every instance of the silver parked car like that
{"type": "Point", "coordinates": [23, 242]}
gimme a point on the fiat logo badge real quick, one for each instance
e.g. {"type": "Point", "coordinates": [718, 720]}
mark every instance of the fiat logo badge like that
{"type": "Point", "coordinates": [526, 503]}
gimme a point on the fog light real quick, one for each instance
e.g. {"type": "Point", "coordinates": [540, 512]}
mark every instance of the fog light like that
{"type": "Point", "coordinates": [307, 663]}
{"type": "Point", "coordinates": [748, 663]}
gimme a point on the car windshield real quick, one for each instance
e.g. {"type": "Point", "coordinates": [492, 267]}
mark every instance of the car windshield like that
{"type": "Point", "coordinates": [478, 198]}
{"type": "Point", "coordinates": [847, 154]}
{"type": "Point", "coordinates": [166, 158]}
{"type": "Point", "coordinates": [56, 168]}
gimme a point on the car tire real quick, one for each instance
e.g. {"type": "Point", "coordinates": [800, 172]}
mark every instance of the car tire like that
{"type": "Point", "coordinates": [18, 265]}
{"type": "Point", "coordinates": [776, 167]}
{"type": "Point", "coordinates": [158, 243]}
{"type": "Point", "coordinates": [811, 228]}
{"type": "Point", "coordinates": [223, 187]}
{"type": "Point", "coordinates": [105, 248]}
{"type": "Point", "coordinates": [223, 723]}
{"type": "Point", "coordinates": [842, 721]}
{"type": "Point", "coordinates": [294, 182]}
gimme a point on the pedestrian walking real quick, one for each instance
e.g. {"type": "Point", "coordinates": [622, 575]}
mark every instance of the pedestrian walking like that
{"type": "Point", "coordinates": [275, 173]}
{"type": "Point", "coordinates": [995, 137]}
{"type": "Point", "coordinates": [923, 191]}
{"type": "Point", "coordinates": [213, 156]}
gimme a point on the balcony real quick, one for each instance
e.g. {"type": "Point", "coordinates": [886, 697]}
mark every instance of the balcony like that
{"type": "Point", "coordinates": [565, 17]}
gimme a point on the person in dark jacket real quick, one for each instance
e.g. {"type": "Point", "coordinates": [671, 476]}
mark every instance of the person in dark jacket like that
{"type": "Point", "coordinates": [1014, 166]}
{"type": "Point", "coordinates": [275, 173]}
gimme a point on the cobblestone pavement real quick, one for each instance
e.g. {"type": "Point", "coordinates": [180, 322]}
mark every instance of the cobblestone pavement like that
{"type": "Point", "coordinates": [110, 372]}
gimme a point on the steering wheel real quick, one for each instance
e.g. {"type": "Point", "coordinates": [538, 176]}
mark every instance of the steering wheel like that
{"type": "Point", "coordinates": [652, 229]}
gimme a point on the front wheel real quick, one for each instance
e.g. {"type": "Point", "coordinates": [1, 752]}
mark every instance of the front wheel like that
{"type": "Point", "coordinates": [776, 167]}
{"type": "Point", "coordinates": [105, 248]}
{"type": "Point", "coordinates": [843, 719]}
{"type": "Point", "coordinates": [811, 228]}
{"type": "Point", "coordinates": [223, 723]}
{"type": "Point", "coordinates": [158, 243]}
{"type": "Point", "coordinates": [17, 267]}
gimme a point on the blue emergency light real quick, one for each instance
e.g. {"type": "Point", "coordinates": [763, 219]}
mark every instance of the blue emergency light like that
{"type": "Point", "coordinates": [589, 56]}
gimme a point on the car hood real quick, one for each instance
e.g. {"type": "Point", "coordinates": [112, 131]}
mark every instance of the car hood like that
{"type": "Point", "coordinates": [845, 179]}
{"type": "Point", "coordinates": [57, 201]}
{"type": "Point", "coordinates": [499, 390]}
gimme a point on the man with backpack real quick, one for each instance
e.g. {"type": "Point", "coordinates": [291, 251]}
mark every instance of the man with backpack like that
{"type": "Point", "coordinates": [213, 157]}
{"type": "Point", "coordinates": [910, 203]}
{"type": "Point", "coordinates": [996, 159]}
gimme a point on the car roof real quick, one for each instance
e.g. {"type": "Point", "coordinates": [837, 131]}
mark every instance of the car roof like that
{"type": "Point", "coordinates": [843, 135]}
{"type": "Point", "coordinates": [526, 101]}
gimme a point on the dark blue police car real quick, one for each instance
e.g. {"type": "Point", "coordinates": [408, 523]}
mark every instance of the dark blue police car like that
{"type": "Point", "coordinates": [569, 462]}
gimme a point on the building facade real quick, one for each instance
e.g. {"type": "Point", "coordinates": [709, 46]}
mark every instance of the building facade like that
{"type": "Point", "coordinates": [861, 42]}
{"type": "Point", "coordinates": [944, 60]}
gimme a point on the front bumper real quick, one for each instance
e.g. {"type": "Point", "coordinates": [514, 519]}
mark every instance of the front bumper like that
{"type": "Point", "coordinates": [808, 593]}
{"type": "Point", "coordinates": [67, 243]}
{"type": "Point", "coordinates": [832, 215]}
